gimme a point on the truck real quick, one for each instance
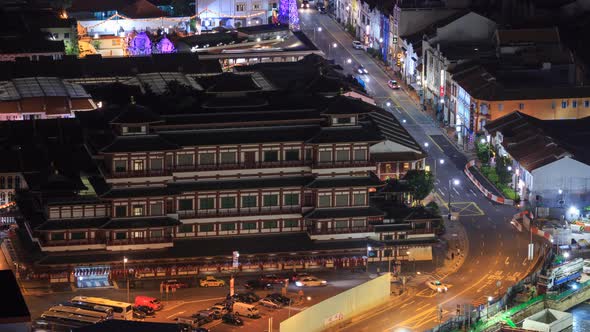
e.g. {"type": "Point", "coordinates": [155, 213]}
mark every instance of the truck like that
{"type": "Point", "coordinates": [561, 274]}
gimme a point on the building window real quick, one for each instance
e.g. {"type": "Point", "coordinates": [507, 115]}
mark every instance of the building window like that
{"type": "Point", "coordinates": [360, 155]}
{"type": "Point", "coordinates": [342, 155]}
{"type": "Point", "coordinates": [292, 155]}
{"type": "Point", "coordinates": [138, 210]}
{"type": "Point", "coordinates": [185, 228]}
{"type": "Point", "coordinates": [206, 159]}
{"type": "Point", "coordinates": [273, 5]}
{"type": "Point", "coordinates": [249, 225]}
{"type": "Point", "coordinates": [269, 224]}
{"type": "Point", "coordinates": [521, 106]}
{"type": "Point", "coordinates": [121, 211]}
{"type": "Point", "coordinates": [228, 157]}
{"type": "Point", "coordinates": [66, 35]}
{"type": "Point", "coordinates": [58, 236]}
{"type": "Point", "coordinates": [137, 165]}
{"type": "Point", "coordinates": [78, 235]}
{"type": "Point", "coordinates": [156, 164]}
{"type": "Point", "coordinates": [291, 199]}
{"type": "Point", "coordinates": [9, 182]}
{"type": "Point", "coordinates": [228, 226]}
{"type": "Point", "coordinates": [120, 236]}
{"type": "Point", "coordinates": [156, 209]}
{"type": "Point", "coordinates": [574, 103]}
{"type": "Point", "coordinates": [359, 199]}
{"type": "Point", "coordinates": [2, 182]}
{"type": "Point", "coordinates": [325, 201]}
{"type": "Point", "coordinates": [120, 166]}
{"type": "Point", "coordinates": [256, 6]}
{"type": "Point", "coordinates": [206, 228]}
{"type": "Point", "coordinates": [358, 223]}
{"type": "Point", "coordinates": [291, 223]}
{"type": "Point", "coordinates": [228, 202]}
{"type": "Point", "coordinates": [206, 203]}
{"type": "Point", "coordinates": [500, 107]}
{"type": "Point", "coordinates": [133, 129]}
{"type": "Point", "coordinates": [240, 7]}
{"type": "Point", "coordinates": [270, 200]}
{"type": "Point", "coordinates": [248, 201]}
{"type": "Point", "coordinates": [564, 104]}
{"type": "Point", "coordinates": [586, 103]}
{"type": "Point", "coordinates": [185, 204]}
{"type": "Point", "coordinates": [341, 199]}
{"type": "Point", "coordinates": [157, 234]}
{"type": "Point", "coordinates": [341, 224]}
{"type": "Point", "coordinates": [343, 120]}
{"type": "Point", "coordinates": [325, 156]}
{"type": "Point", "coordinates": [388, 237]}
{"type": "Point", "coordinates": [185, 159]}
{"type": "Point", "coordinates": [405, 167]}
{"type": "Point", "coordinates": [270, 156]}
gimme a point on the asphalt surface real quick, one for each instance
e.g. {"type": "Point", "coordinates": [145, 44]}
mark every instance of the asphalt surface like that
{"type": "Point", "coordinates": [497, 253]}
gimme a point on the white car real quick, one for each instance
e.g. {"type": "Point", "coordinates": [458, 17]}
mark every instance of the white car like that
{"type": "Point", "coordinates": [310, 282]}
{"type": "Point", "coordinates": [269, 303]}
{"type": "Point", "coordinates": [357, 45]}
{"type": "Point", "coordinates": [437, 286]}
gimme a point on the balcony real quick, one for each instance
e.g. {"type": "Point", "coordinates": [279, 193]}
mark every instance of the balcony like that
{"type": "Point", "coordinates": [340, 230]}
{"type": "Point", "coordinates": [343, 164]}
{"type": "Point", "coordinates": [230, 166]}
{"type": "Point", "coordinates": [237, 212]}
{"type": "Point", "coordinates": [124, 242]}
{"type": "Point", "coordinates": [60, 243]}
{"type": "Point", "coordinates": [139, 174]}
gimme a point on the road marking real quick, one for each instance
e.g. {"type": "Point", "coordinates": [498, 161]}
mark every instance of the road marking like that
{"type": "Point", "coordinates": [176, 314]}
{"type": "Point", "coordinates": [455, 189]}
{"type": "Point", "coordinates": [407, 304]}
{"type": "Point", "coordinates": [205, 300]}
{"type": "Point", "coordinates": [441, 192]}
{"type": "Point", "coordinates": [507, 261]}
{"type": "Point", "coordinates": [433, 141]}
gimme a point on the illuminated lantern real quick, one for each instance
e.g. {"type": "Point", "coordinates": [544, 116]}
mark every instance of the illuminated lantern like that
{"type": "Point", "coordinates": [165, 46]}
{"type": "Point", "coordinates": [140, 44]}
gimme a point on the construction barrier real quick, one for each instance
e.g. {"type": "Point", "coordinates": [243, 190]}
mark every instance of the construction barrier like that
{"type": "Point", "coordinates": [487, 193]}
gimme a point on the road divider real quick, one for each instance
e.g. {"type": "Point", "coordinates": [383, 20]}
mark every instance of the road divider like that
{"type": "Point", "coordinates": [484, 191]}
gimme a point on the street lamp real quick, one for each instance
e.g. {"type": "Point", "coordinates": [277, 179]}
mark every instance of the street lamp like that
{"type": "Point", "coordinates": [334, 45]}
{"type": "Point", "coordinates": [441, 162]}
{"type": "Point", "coordinates": [126, 277]}
{"type": "Point", "coordinates": [490, 299]}
{"type": "Point", "coordinates": [566, 255]}
{"type": "Point", "coordinates": [454, 182]}
{"type": "Point", "coordinates": [425, 144]}
{"type": "Point", "coordinates": [349, 60]}
{"type": "Point", "coordinates": [388, 104]}
{"type": "Point", "coordinates": [368, 250]}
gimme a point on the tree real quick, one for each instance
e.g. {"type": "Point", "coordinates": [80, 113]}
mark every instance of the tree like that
{"type": "Point", "coordinates": [421, 183]}
{"type": "Point", "coordinates": [181, 7]}
{"type": "Point", "coordinates": [483, 151]}
{"type": "Point", "coordinates": [502, 169]}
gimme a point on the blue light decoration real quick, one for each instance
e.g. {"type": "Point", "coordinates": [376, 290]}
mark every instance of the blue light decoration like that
{"type": "Point", "coordinates": [140, 45]}
{"type": "Point", "coordinates": [165, 46]}
{"type": "Point", "coordinates": [284, 12]}
{"type": "Point", "coordinates": [289, 14]}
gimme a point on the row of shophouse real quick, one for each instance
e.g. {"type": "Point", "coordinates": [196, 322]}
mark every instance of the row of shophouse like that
{"type": "Point", "coordinates": [287, 179]}
{"type": "Point", "coordinates": [466, 68]}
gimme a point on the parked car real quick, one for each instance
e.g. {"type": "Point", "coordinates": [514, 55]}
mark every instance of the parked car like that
{"type": "Point", "coordinates": [211, 281]}
{"type": "Point", "coordinates": [357, 45]}
{"type": "Point", "coordinates": [149, 312]}
{"type": "Point", "coordinates": [269, 303]}
{"type": "Point", "coordinates": [272, 279]}
{"type": "Point", "coordinates": [361, 70]}
{"type": "Point", "coordinates": [246, 297]}
{"type": "Point", "coordinates": [245, 309]}
{"type": "Point", "coordinates": [279, 298]}
{"type": "Point", "coordinates": [148, 301]}
{"type": "Point", "coordinates": [189, 322]}
{"type": "Point", "coordinates": [173, 283]}
{"type": "Point", "coordinates": [138, 314]}
{"type": "Point", "coordinates": [204, 316]}
{"type": "Point", "coordinates": [232, 319]}
{"type": "Point", "coordinates": [218, 310]}
{"type": "Point", "coordinates": [305, 4]}
{"type": "Point", "coordinates": [257, 284]}
{"type": "Point", "coordinates": [437, 286]}
{"type": "Point", "coordinates": [392, 84]}
{"type": "Point", "coordinates": [310, 282]}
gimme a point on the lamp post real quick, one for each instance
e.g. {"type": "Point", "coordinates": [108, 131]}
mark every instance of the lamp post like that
{"type": "Point", "coordinates": [319, 29]}
{"type": "Point", "coordinates": [456, 183]}
{"type": "Point", "coordinates": [368, 250]}
{"type": "Point", "coordinates": [441, 162]}
{"type": "Point", "coordinates": [490, 299]}
{"type": "Point", "coordinates": [516, 182]}
{"type": "Point", "coordinates": [126, 277]}
{"type": "Point", "coordinates": [333, 45]}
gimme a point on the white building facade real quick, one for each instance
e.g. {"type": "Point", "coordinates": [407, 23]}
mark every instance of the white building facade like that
{"type": "Point", "coordinates": [235, 13]}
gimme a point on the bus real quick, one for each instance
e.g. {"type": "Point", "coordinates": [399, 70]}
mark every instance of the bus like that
{"type": "Point", "coordinates": [80, 312]}
{"type": "Point", "coordinates": [48, 325]}
{"type": "Point", "coordinates": [121, 310]}
{"type": "Point", "coordinates": [69, 319]}
{"type": "Point", "coordinates": [92, 307]}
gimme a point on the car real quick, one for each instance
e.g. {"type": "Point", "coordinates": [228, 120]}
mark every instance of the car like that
{"type": "Point", "coordinates": [361, 70]}
{"type": "Point", "coordinates": [305, 4]}
{"type": "Point", "coordinates": [246, 297]}
{"type": "Point", "coordinates": [148, 301]}
{"type": "Point", "coordinates": [392, 84]}
{"type": "Point", "coordinates": [232, 319]}
{"type": "Point", "coordinates": [321, 9]}
{"type": "Point", "coordinates": [310, 282]}
{"type": "Point", "coordinates": [218, 310]}
{"type": "Point", "coordinates": [257, 284]}
{"type": "Point", "coordinates": [298, 276]}
{"type": "Point", "coordinates": [269, 303]}
{"type": "Point", "coordinates": [357, 45]}
{"type": "Point", "coordinates": [204, 316]}
{"type": "Point", "coordinates": [437, 286]}
{"type": "Point", "coordinates": [279, 298]}
{"type": "Point", "coordinates": [149, 312]}
{"type": "Point", "coordinates": [211, 281]}
{"type": "Point", "coordinates": [138, 314]}
{"type": "Point", "coordinates": [272, 279]}
{"type": "Point", "coordinates": [173, 283]}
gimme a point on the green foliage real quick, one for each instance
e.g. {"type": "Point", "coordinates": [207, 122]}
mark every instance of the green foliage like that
{"type": "Point", "coordinates": [491, 174]}
{"type": "Point", "coordinates": [502, 169]}
{"type": "Point", "coordinates": [421, 183]}
{"type": "Point", "coordinates": [433, 207]}
{"type": "Point", "coordinates": [483, 151]}
{"type": "Point", "coordinates": [72, 47]}
{"type": "Point", "coordinates": [351, 29]}
{"type": "Point", "coordinates": [181, 7]}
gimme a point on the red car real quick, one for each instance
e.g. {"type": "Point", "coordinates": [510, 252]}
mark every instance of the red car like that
{"type": "Point", "coordinates": [392, 84]}
{"type": "Point", "coordinates": [173, 283]}
{"type": "Point", "coordinates": [272, 279]}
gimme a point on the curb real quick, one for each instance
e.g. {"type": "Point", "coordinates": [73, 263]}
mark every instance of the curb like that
{"type": "Point", "coordinates": [484, 191]}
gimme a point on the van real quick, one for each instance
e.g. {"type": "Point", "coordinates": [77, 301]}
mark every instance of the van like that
{"type": "Point", "coordinates": [188, 321]}
{"type": "Point", "coordinates": [245, 309]}
{"type": "Point", "coordinates": [148, 301]}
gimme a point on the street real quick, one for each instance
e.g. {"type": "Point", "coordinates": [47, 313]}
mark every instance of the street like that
{"type": "Point", "coordinates": [497, 254]}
